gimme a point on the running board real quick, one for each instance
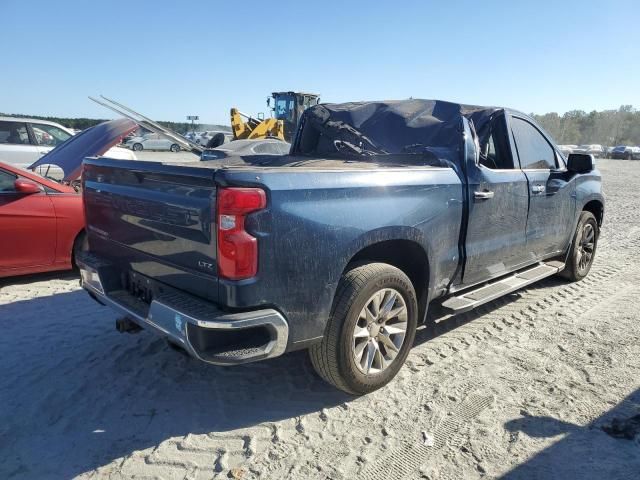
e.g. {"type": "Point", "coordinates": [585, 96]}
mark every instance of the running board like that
{"type": "Point", "coordinates": [471, 299]}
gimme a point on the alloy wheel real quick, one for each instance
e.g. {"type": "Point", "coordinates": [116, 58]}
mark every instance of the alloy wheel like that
{"type": "Point", "coordinates": [379, 331]}
{"type": "Point", "coordinates": [586, 246]}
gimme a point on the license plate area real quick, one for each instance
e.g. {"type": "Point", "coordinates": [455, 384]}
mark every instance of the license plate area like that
{"type": "Point", "coordinates": [139, 287]}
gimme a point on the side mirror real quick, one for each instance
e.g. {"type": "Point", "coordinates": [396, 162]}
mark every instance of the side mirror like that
{"type": "Point", "coordinates": [26, 186]}
{"type": "Point", "coordinates": [580, 163]}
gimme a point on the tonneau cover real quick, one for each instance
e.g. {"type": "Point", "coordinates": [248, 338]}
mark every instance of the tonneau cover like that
{"type": "Point", "coordinates": [387, 128]}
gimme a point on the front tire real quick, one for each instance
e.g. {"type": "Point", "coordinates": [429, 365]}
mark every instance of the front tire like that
{"type": "Point", "coordinates": [583, 248]}
{"type": "Point", "coordinates": [370, 331]}
{"type": "Point", "coordinates": [80, 245]}
{"type": "Point", "coordinates": [137, 147]}
{"type": "Point", "coordinates": [175, 148]}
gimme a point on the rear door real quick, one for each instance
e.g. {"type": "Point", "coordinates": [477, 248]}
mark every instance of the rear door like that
{"type": "Point", "coordinates": [27, 226]}
{"type": "Point", "coordinates": [153, 141]}
{"type": "Point", "coordinates": [498, 204]}
{"type": "Point", "coordinates": [16, 146]}
{"type": "Point", "coordinates": [552, 198]}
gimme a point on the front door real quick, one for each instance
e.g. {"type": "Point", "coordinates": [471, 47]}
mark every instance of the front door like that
{"type": "Point", "coordinates": [27, 226]}
{"type": "Point", "coordinates": [552, 198]}
{"type": "Point", "coordinates": [498, 203]}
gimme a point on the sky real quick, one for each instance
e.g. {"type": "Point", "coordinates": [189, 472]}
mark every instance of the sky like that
{"type": "Point", "coordinates": [172, 59]}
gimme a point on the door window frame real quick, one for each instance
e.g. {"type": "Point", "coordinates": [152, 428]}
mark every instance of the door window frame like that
{"type": "Point", "coordinates": [7, 172]}
{"type": "Point", "coordinates": [514, 156]}
{"type": "Point", "coordinates": [30, 135]}
{"type": "Point", "coordinates": [34, 138]}
{"type": "Point", "coordinates": [560, 163]}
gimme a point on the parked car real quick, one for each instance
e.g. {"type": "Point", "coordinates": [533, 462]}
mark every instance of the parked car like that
{"type": "Point", "coordinates": [567, 150]}
{"type": "Point", "coordinates": [152, 141]}
{"type": "Point", "coordinates": [596, 150]}
{"type": "Point", "coordinates": [624, 152]}
{"type": "Point", "coordinates": [191, 136]}
{"type": "Point", "coordinates": [25, 140]}
{"type": "Point", "coordinates": [247, 147]}
{"type": "Point", "coordinates": [380, 209]}
{"type": "Point", "coordinates": [41, 223]}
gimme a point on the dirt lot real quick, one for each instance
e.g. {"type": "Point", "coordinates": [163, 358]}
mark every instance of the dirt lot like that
{"type": "Point", "coordinates": [519, 389]}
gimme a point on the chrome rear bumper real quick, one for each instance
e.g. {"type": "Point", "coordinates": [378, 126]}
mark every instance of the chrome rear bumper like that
{"type": "Point", "coordinates": [207, 333]}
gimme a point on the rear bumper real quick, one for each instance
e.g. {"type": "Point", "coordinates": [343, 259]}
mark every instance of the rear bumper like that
{"type": "Point", "coordinates": [205, 332]}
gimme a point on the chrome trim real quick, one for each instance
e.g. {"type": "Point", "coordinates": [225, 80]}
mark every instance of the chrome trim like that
{"type": "Point", "coordinates": [171, 321]}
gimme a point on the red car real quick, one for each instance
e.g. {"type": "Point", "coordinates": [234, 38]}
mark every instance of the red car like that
{"type": "Point", "coordinates": [41, 220]}
{"type": "Point", "coordinates": [41, 223]}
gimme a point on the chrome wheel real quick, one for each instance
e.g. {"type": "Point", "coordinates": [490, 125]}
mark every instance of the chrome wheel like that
{"type": "Point", "coordinates": [586, 246]}
{"type": "Point", "coordinates": [380, 331]}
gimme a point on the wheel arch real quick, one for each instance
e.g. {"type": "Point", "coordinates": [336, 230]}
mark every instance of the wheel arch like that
{"type": "Point", "coordinates": [405, 252]}
{"type": "Point", "coordinates": [596, 207]}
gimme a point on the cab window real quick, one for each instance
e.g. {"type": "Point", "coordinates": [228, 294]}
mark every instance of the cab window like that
{"type": "Point", "coordinates": [495, 153]}
{"type": "Point", "coordinates": [14, 133]}
{"type": "Point", "coordinates": [284, 107]}
{"type": "Point", "coordinates": [534, 150]}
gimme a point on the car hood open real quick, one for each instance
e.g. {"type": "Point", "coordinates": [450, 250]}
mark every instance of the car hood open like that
{"type": "Point", "coordinates": [92, 142]}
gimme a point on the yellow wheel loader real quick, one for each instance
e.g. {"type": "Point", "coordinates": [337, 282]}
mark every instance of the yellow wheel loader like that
{"type": "Point", "coordinates": [287, 109]}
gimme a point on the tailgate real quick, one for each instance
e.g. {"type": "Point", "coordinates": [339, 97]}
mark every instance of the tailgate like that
{"type": "Point", "coordinates": [153, 218]}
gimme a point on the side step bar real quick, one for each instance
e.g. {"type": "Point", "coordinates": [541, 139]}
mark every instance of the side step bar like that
{"type": "Point", "coordinates": [471, 299]}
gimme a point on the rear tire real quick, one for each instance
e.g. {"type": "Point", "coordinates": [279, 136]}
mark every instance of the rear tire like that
{"type": "Point", "coordinates": [583, 248]}
{"type": "Point", "coordinates": [383, 338]}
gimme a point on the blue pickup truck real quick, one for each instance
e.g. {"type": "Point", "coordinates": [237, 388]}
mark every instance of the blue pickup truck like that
{"type": "Point", "coordinates": [379, 210]}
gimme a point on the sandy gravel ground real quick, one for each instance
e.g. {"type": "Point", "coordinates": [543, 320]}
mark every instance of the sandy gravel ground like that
{"type": "Point", "coordinates": [519, 389]}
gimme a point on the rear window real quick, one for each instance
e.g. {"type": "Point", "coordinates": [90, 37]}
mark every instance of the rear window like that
{"type": "Point", "coordinates": [14, 133]}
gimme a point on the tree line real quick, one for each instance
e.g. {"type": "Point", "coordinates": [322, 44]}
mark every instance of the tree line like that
{"type": "Point", "coordinates": [608, 127]}
{"type": "Point", "coordinates": [83, 123]}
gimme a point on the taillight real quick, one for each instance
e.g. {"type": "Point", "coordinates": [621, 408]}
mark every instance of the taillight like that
{"type": "Point", "coordinates": [237, 250]}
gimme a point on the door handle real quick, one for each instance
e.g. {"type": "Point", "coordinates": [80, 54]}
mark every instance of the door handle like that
{"type": "Point", "coordinates": [537, 188]}
{"type": "Point", "coordinates": [484, 195]}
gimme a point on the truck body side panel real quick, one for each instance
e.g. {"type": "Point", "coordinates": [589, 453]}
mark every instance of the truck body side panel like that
{"type": "Point", "coordinates": [316, 221]}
